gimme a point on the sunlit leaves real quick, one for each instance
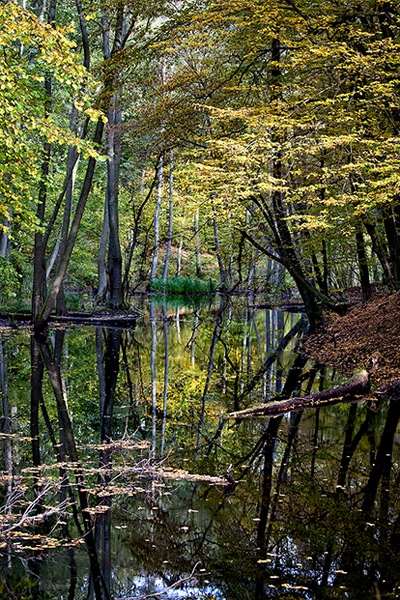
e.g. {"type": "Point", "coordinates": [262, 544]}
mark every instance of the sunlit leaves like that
{"type": "Point", "coordinates": [331, 116]}
{"type": "Point", "coordinates": [30, 51]}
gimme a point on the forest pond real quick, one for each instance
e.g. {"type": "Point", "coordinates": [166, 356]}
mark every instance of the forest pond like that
{"type": "Point", "coordinates": [121, 476]}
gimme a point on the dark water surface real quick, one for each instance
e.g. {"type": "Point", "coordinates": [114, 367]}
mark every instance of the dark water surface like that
{"type": "Point", "coordinates": [120, 477]}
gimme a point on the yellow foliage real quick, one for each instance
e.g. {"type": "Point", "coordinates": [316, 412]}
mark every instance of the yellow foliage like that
{"type": "Point", "coordinates": [25, 120]}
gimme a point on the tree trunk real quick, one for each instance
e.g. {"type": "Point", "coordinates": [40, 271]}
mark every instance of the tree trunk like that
{"type": "Point", "coordinates": [59, 278]}
{"type": "Point", "coordinates": [72, 163]}
{"type": "Point", "coordinates": [357, 385]}
{"type": "Point", "coordinates": [114, 262]}
{"type": "Point", "coordinates": [381, 253]}
{"type": "Point", "coordinates": [222, 272]}
{"type": "Point", "coordinates": [394, 248]}
{"type": "Point", "coordinates": [101, 261]}
{"type": "Point", "coordinates": [179, 258]}
{"type": "Point", "coordinates": [197, 242]}
{"type": "Point", "coordinates": [363, 266]}
{"type": "Point", "coordinates": [170, 214]}
{"type": "Point", "coordinates": [39, 259]}
{"type": "Point", "coordinates": [5, 237]}
{"type": "Point", "coordinates": [154, 263]}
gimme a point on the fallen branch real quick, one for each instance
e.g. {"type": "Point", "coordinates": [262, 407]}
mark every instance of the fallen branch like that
{"type": "Point", "coordinates": [356, 386]}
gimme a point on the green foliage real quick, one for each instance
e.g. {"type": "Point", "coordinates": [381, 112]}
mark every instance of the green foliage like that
{"type": "Point", "coordinates": [9, 280]}
{"type": "Point", "coordinates": [183, 285]}
{"type": "Point", "coordinates": [209, 88]}
{"type": "Point", "coordinates": [30, 51]}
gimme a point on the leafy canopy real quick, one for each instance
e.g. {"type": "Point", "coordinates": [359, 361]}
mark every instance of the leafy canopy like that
{"type": "Point", "coordinates": [31, 50]}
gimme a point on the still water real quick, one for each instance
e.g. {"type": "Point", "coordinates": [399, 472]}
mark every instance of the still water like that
{"type": "Point", "coordinates": [122, 478]}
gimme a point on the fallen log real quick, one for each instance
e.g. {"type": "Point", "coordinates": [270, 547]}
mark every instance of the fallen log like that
{"type": "Point", "coordinates": [99, 319]}
{"type": "Point", "coordinates": [102, 319]}
{"type": "Point", "coordinates": [358, 385]}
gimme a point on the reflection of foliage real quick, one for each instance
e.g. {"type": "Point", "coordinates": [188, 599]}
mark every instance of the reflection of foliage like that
{"type": "Point", "coordinates": [183, 285]}
{"type": "Point", "coordinates": [292, 517]}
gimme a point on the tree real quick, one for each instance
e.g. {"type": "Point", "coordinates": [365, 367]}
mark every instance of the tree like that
{"type": "Point", "coordinates": [302, 142]}
{"type": "Point", "coordinates": [34, 53]}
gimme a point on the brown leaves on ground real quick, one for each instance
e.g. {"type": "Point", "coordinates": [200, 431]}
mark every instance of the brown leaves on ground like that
{"type": "Point", "coordinates": [351, 341]}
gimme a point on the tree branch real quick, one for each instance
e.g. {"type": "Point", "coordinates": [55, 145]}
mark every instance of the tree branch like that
{"type": "Point", "coordinates": [358, 385]}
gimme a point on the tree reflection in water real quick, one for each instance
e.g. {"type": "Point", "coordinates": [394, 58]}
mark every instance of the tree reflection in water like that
{"type": "Point", "coordinates": [124, 480]}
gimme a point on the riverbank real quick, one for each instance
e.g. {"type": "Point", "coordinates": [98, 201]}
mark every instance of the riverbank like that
{"type": "Point", "coordinates": [349, 342]}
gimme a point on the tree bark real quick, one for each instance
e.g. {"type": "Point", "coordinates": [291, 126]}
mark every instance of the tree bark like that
{"type": "Point", "coordinates": [381, 253]}
{"type": "Point", "coordinates": [154, 263]}
{"type": "Point", "coordinates": [43, 316]}
{"type": "Point", "coordinates": [222, 272]}
{"type": "Point", "coordinates": [357, 385]}
{"type": "Point", "coordinates": [170, 214]}
{"type": "Point", "coordinates": [394, 248]}
{"type": "Point", "coordinates": [197, 241]}
{"type": "Point", "coordinates": [363, 266]}
{"type": "Point", "coordinates": [101, 261]}
{"type": "Point", "coordinates": [39, 261]}
{"type": "Point", "coordinates": [114, 261]}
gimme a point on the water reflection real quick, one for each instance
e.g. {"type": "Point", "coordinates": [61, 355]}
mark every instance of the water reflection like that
{"type": "Point", "coordinates": [123, 478]}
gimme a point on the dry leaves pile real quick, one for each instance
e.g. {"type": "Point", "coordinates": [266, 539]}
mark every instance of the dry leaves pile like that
{"type": "Point", "coordinates": [350, 341]}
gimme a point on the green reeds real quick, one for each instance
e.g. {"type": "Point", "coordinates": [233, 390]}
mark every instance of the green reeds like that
{"type": "Point", "coordinates": [183, 285]}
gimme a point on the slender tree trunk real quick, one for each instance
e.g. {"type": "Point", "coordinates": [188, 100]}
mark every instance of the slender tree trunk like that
{"type": "Point", "coordinates": [325, 268]}
{"type": "Point", "coordinates": [72, 164]}
{"type": "Point", "coordinates": [197, 242]}
{"type": "Point", "coordinates": [222, 272]}
{"type": "Point", "coordinates": [154, 263]}
{"type": "Point", "coordinates": [101, 261]}
{"type": "Point", "coordinates": [363, 266]}
{"type": "Point", "coordinates": [59, 278]}
{"type": "Point", "coordinates": [41, 307]}
{"type": "Point", "coordinates": [381, 253]}
{"type": "Point", "coordinates": [113, 165]}
{"type": "Point", "coordinates": [179, 258]}
{"type": "Point", "coordinates": [277, 215]}
{"type": "Point", "coordinates": [317, 271]}
{"type": "Point", "coordinates": [5, 237]}
{"type": "Point", "coordinates": [170, 214]}
{"type": "Point", "coordinates": [393, 241]}
{"type": "Point", "coordinates": [39, 261]}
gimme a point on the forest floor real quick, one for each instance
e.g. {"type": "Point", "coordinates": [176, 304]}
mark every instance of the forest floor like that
{"type": "Point", "coordinates": [349, 342]}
